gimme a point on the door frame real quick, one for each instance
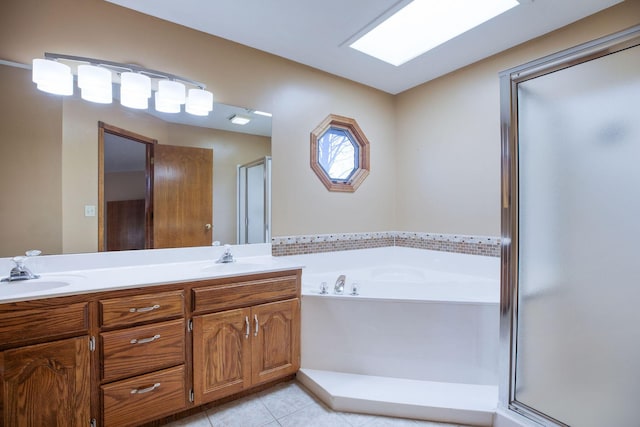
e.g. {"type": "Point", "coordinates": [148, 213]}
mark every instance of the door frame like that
{"type": "Point", "coordinates": [150, 143]}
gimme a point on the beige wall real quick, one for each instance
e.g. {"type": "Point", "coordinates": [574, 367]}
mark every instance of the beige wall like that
{"type": "Point", "coordinates": [30, 166]}
{"type": "Point", "coordinates": [449, 134]}
{"type": "Point", "coordinates": [298, 96]}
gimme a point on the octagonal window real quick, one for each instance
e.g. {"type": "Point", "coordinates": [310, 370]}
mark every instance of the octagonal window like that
{"type": "Point", "coordinates": [339, 153]}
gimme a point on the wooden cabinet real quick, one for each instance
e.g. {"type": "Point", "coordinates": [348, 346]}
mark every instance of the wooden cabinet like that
{"type": "Point", "coordinates": [45, 369]}
{"type": "Point", "coordinates": [143, 398]}
{"type": "Point", "coordinates": [131, 356]}
{"type": "Point", "coordinates": [234, 350]}
{"type": "Point", "coordinates": [143, 366]}
{"type": "Point", "coordinates": [221, 354]}
{"type": "Point", "coordinates": [275, 346]}
{"type": "Point", "coordinates": [47, 384]}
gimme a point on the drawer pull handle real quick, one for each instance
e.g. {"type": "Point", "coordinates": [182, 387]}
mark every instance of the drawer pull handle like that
{"type": "Point", "coordinates": [145, 390]}
{"type": "Point", "coordinates": [145, 340]}
{"type": "Point", "coordinates": [255, 318]}
{"type": "Point", "coordinates": [246, 322]}
{"type": "Point", "coordinates": [144, 309]}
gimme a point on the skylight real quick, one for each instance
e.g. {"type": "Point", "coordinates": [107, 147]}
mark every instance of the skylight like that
{"type": "Point", "coordinates": [424, 24]}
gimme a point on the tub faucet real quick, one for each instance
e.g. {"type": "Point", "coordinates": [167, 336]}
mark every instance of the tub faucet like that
{"type": "Point", "coordinates": [20, 271]}
{"type": "Point", "coordinates": [227, 256]}
{"type": "Point", "coordinates": [339, 286]}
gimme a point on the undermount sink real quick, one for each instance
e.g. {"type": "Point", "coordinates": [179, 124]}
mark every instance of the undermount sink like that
{"type": "Point", "coordinates": [43, 283]}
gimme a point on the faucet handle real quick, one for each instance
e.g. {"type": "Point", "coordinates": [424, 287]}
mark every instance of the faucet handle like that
{"type": "Point", "coordinates": [19, 260]}
{"type": "Point", "coordinates": [33, 252]}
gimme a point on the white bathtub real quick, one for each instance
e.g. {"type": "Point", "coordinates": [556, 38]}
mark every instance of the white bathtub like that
{"type": "Point", "coordinates": [421, 316]}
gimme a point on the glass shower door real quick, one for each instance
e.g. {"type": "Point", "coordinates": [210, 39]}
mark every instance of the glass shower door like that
{"type": "Point", "coordinates": [254, 202]}
{"type": "Point", "coordinates": [576, 331]}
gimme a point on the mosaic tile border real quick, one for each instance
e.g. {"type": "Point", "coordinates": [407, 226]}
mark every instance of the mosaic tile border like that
{"type": "Point", "coordinates": [309, 244]}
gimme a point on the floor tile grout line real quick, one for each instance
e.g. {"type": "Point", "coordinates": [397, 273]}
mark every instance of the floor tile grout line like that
{"type": "Point", "coordinates": [260, 397]}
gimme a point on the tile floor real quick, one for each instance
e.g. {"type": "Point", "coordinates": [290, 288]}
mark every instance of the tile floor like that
{"type": "Point", "coordinates": [289, 405]}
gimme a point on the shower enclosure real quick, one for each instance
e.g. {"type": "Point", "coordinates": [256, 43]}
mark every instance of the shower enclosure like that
{"type": "Point", "coordinates": [570, 328]}
{"type": "Point", "coordinates": [254, 201]}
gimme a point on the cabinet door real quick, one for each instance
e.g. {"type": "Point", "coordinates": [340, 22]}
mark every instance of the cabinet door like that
{"type": "Point", "coordinates": [276, 340]}
{"type": "Point", "coordinates": [47, 384]}
{"type": "Point", "coordinates": [221, 354]}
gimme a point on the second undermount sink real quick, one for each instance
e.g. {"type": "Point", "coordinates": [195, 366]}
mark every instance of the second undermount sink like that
{"type": "Point", "coordinates": [239, 264]}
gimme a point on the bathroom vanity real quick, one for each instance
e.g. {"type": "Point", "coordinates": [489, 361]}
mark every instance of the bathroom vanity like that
{"type": "Point", "coordinates": [140, 353]}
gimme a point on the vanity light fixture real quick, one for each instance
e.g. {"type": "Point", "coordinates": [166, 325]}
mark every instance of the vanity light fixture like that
{"type": "Point", "coordinates": [199, 102]}
{"type": "Point", "coordinates": [137, 84]}
{"type": "Point", "coordinates": [95, 84]}
{"type": "Point", "coordinates": [52, 77]}
{"type": "Point", "coordinates": [135, 90]}
{"type": "Point", "coordinates": [239, 119]}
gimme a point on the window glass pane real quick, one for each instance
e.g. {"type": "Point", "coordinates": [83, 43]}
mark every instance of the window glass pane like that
{"type": "Point", "coordinates": [337, 154]}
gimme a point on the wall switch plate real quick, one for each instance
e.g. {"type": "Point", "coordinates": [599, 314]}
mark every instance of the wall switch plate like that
{"type": "Point", "coordinates": [89, 210]}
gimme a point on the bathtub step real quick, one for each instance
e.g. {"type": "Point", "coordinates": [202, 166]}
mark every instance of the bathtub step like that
{"type": "Point", "coordinates": [468, 404]}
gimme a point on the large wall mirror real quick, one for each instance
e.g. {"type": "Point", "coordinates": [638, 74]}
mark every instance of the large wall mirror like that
{"type": "Point", "coordinates": [50, 161]}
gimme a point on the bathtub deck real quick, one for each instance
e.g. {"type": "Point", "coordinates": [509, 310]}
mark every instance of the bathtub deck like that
{"type": "Point", "coordinates": [469, 404]}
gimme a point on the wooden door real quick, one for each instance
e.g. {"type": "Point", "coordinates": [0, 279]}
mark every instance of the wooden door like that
{"type": "Point", "coordinates": [221, 354]}
{"type": "Point", "coordinates": [125, 228]}
{"type": "Point", "coordinates": [182, 196]}
{"type": "Point", "coordinates": [276, 345]}
{"type": "Point", "coordinates": [47, 384]}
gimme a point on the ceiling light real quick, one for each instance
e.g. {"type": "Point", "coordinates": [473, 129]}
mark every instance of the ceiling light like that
{"type": "Point", "coordinates": [95, 80]}
{"type": "Point", "coordinates": [239, 119]}
{"type": "Point", "coordinates": [263, 113]}
{"type": "Point", "coordinates": [164, 106]}
{"type": "Point", "coordinates": [172, 92]}
{"type": "Point", "coordinates": [424, 24]}
{"type": "Point", "coordinates": [52, 77]}
{"type": "Point", "coordinates": [95, 84]}
{"type": "Point", "coordinates": [135, 90]}
{"type": "Point", "coordinates": [199, 102]}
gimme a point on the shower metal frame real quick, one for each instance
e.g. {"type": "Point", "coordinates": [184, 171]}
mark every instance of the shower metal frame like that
{"type": "Point", "coordinates": [509, 80]}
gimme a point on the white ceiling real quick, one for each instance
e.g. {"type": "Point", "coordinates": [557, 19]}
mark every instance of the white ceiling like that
{"type": "Point", "coordinates": [316, 33]}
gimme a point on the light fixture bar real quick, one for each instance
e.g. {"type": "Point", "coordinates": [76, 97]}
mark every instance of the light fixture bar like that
{"type": "Point", "coordinates": [95, 79]}
{"type": "Point", "coordinates": [126, 67]}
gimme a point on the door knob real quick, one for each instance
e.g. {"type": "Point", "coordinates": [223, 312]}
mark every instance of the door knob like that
{"type": "Point", "coordinates": [207, 227]}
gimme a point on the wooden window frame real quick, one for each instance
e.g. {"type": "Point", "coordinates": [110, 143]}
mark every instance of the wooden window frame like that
{"type": "Point", "coordinates": [362, 171]}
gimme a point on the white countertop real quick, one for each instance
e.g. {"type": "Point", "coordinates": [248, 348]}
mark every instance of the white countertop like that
{"type": "Point", "coordinates": [81, 281]}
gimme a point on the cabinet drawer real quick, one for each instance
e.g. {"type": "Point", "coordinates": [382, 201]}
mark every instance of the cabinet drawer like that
{"type": "Point", "coordinates": [134, 351]}
{"type": "Point", "coordinates": [141, 308]}
{"type": "Point", "coordinates": [137, 400]}
{"type": "Point", "coordinates": [243, 294]}
{"type": "Point", "coordinates": [39, 320]}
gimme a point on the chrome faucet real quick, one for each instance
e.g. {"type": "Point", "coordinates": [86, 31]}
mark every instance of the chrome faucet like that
{"type": "Point", "coordinates": [227, 256]}
{"type": "Point", "coordinates": [20, 271]}
{"type": "Point", "coordinates": [339, 286]}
